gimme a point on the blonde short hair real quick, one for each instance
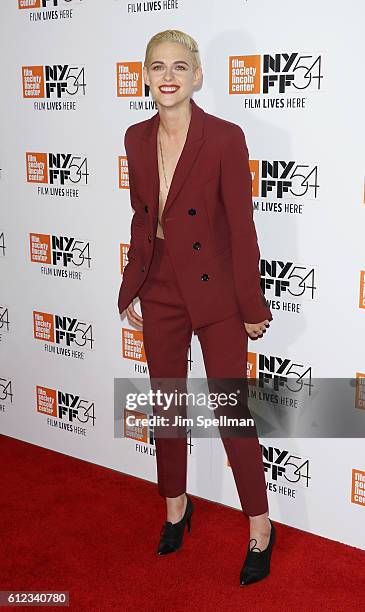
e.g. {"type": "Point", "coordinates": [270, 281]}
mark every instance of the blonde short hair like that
{"type": "Point", "coordinates": [174, 36]}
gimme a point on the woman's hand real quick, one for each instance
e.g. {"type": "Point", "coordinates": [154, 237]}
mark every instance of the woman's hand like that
{"type": "Point", "coordinates": [133, 317]}
{"type": "Point", "coordinates": [255, 330]}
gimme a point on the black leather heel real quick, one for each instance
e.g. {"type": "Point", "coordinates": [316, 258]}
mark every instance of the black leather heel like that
{"type": "Point", "coordinates": [172, 534]}
{"type": "Point", "coordinates": [257, 564]}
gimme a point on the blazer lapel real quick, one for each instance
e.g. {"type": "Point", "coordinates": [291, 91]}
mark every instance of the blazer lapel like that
{"type": "Point", "coordinates": [192, 146]}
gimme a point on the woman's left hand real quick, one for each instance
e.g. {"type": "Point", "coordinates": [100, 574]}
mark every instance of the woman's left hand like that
{"type": "Point", "coordinates": [255, 330]}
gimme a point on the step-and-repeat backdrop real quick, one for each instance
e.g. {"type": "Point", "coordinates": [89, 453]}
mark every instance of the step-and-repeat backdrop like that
{"type": "Point", "coordinates": [71, 85]}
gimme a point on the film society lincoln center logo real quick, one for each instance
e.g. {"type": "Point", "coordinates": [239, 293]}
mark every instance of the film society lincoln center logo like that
{"type": "Point", "coordinates": [136, 428]}
{"type": "Point", "coordinates": [358, 487]}
{"type": "Point", "coordinates": [130, 84]}
{"type": "Point", "coordinates": [360, 390]}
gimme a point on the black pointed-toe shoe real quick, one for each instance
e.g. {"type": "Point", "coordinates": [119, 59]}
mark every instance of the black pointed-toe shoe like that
{"type": "Point", "coordinates": [172, 533]}
{"type": "Point", "coordinates": [257, 562]}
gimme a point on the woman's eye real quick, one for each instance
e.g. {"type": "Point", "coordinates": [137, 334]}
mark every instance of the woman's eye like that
{"type": "Point", "coordinates": [179, 67]}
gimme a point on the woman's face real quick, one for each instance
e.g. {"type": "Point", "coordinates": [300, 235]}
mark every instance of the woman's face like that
{"type": "Point", "coordinates": [170, 75]}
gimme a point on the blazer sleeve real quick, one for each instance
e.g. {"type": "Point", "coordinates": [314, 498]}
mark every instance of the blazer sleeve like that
{"type": "Point", "coordinates": [135, 251]}
{"type": "Point", "coordinates": [236, 191]}
{"type": "Point", "coordinates": [138, 219]}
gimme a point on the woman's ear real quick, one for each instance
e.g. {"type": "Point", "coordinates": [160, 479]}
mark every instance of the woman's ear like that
{"type": "Point", "coordinates": [145, 75]}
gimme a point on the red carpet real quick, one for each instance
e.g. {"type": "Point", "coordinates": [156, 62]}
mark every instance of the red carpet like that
{"type": "Point", "coordinates": [70, 525]}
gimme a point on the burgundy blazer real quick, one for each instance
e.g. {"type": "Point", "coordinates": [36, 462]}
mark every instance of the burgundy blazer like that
{"type": "Point", "coordinates": [207, 220]}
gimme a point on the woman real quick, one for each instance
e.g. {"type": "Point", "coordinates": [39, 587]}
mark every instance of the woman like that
{"type": "Point", "coordinates": [193, 262]}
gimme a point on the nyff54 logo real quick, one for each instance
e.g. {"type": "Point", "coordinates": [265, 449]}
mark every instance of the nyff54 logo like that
{"type": "Point", "coordinates": [66, 406]}
{"type": "Point", "coordinates": [62, 251]}
{"type": "Point", "coordinates": [279, 178]}
{"type": "Point", "coordinates": [274, 372]}
{"type": "Point", "coordinates": [287, 279]}
{"type": "Point", "coordinates": [275, 74]}
{"type": "Point", "coordinates": [62, 330]}
{"type": "Point", "coordinates": [53, 82]}
{"type": "Point", "coordinates": [282, 464]}
{"type": "Point", "coordinates": [56, 168]}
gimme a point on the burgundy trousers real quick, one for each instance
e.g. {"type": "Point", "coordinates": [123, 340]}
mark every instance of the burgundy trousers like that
{"type": "Point", "coordinates": [167, 333]}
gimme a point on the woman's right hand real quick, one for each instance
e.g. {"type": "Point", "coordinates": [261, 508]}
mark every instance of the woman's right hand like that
{"type": "Point", "coordinates": [133, 317]}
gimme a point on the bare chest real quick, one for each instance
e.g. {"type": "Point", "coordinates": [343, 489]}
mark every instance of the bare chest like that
{"type": "Point", "coordinates": [168, 159]}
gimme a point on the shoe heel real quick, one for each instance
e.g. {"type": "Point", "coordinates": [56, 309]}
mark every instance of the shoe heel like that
{"type": "Point", "coordinates": [172, 533]}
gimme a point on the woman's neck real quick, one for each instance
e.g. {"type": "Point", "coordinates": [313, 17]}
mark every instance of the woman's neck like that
{"type": "Point", "coordinates": [174, 122]}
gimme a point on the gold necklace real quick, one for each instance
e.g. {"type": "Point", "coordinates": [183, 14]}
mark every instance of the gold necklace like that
{"type": "Point", "coordinates": [163, 163]}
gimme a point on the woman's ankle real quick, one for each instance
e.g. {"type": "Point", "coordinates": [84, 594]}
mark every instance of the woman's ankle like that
{"type": "Point", "coordinates": [176, 507]}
